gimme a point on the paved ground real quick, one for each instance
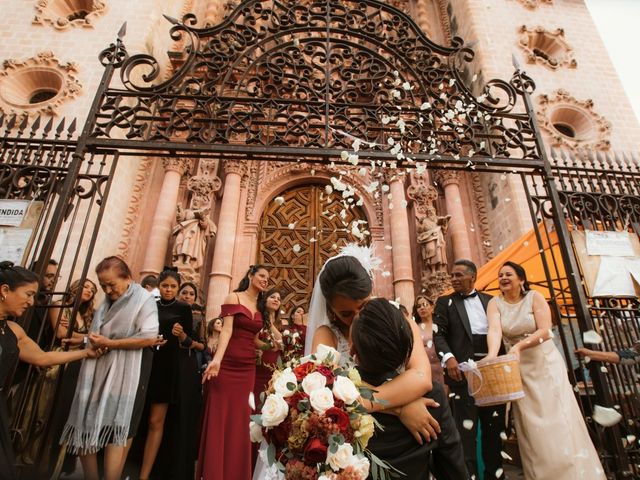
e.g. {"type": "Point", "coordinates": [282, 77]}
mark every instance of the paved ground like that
{"type": "Point", "coordinates": [512, 473]}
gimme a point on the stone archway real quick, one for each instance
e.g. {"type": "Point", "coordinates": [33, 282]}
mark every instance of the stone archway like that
{"type": "Point", "coordinates": [298, 231]}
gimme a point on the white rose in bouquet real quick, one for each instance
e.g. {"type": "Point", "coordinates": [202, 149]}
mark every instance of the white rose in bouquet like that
{"type": "Point", "coordinates": [324, 351]}
{"type": "Point", "coordinates": [255, 432]}
{"type": "Point", "coordinates": [274, 410]}
{"type": "Point", "coordinates": [313, 381]}
{"type": "Point", "coordinates": [342, 458]}
{"type": "Point", "coordinates": [280, 383]}
{"type": "Point", "coordinates": [345, 390]}
{"type": "Point", "coordinates": [321, 400]}
{"type": "Point", "coordinates": [361, 466]}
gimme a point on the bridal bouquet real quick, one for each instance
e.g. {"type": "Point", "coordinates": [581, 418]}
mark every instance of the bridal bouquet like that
{"type": "Point", "coordinates": [293, 345]}
{"type": "Point", "coordinates": [312, 423]}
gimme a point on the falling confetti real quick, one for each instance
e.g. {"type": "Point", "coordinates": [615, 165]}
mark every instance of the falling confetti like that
{"type": "Point", "coordinates": [605, 416]}
{"type": "Point", "coordinates": [592, 337]}
{"type": "Point", "coordinates": [296, 248]}
{"type": "Point", "coordinates": [252, 401]}
{"type": "Point", "coordinates": [279, 200]}
{"type": "Point", "coordinates": [468, 424]}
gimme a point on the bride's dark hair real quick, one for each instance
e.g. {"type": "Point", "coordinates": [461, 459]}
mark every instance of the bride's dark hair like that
{"type": "Point", "coordinates": [381, 337]}
{"type": "Point", "coordinates": [346, 276]}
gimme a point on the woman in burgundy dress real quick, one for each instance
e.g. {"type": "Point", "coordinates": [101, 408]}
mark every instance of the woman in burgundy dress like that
{"type": "Point", "coordinates": [423, 315]}
{"type": "Point", "coordinates": [225, 446]}
{"type": "Point", "coordinates": [269, 345]}
{"type": "Point", "coordinates": [268, 341]}
{"type": "Point", "coordinates": [297, 324]}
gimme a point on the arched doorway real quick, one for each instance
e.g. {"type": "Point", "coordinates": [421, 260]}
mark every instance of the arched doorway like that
{"type": "Point", "coordinates": [297, 236]}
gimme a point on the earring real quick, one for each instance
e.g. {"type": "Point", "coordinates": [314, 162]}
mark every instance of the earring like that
{"type": "Point", "coordinates": [3, 298]}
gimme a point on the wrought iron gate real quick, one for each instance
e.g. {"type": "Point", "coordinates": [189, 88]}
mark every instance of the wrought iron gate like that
{"type": "Point", "coordinates": [299, 81]}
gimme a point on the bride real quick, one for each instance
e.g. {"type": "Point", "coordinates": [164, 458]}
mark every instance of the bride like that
{"type": "Point", "coordinates": [341, 291]}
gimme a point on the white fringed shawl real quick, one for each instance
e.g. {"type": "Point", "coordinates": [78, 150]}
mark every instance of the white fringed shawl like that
{"type": "Point", "coordinates": [106, 391]}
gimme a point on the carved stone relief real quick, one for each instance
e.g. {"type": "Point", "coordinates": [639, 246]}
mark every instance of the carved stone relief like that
{"type": "Point", "coordinates": [533, 4]}
{"type": "Point", "coordinates": [195, 230]}
{"type": "Point", "coordinates": [431, 230]}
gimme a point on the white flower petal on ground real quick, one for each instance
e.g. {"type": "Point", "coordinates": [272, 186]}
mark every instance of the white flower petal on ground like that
{"type": "Point", "coordinates": [605, 416]}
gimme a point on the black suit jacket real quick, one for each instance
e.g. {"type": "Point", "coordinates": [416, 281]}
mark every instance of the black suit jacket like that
{"type": "Point", "coordinates": [454, 330]}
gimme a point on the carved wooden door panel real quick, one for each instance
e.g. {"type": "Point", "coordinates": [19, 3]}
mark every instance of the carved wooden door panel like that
{"type": "Point", "coordinates": [297, 236]}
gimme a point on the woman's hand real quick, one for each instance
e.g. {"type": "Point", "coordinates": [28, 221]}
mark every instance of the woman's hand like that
{"type": "Point", "coordinates": [72, 342]}
{"type": "Point", "coordinates": [211, 371]}
{"type": "Point", "coordinates": [419, 421]}
{"type": "Point", "coordinates": [515, 350]}
{"type": "Point", "coordinates": [93, 352]}
{"type": "Point", "coordinates": [159, 342]}
{"type": "Point", "coordinates": [178, 331]}
{"type": "Point", "coordinates": [99, 341]}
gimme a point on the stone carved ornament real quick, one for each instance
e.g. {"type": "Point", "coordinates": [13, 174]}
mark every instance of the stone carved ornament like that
{"type": "Point", "coordinates": [592, 129]}
{"type": "Point", "coordinates": [194, 229]}
{"type": "Point", "coordinates": [547, 48]}
{"type": "Point", "coordinates": [431, 230]}
{"type": "Point", "coordinates": [21, 79]}
{"type": "Point", "coordinates": [64, 14]}
{"type": "Point", "coordinates": [533, 4]}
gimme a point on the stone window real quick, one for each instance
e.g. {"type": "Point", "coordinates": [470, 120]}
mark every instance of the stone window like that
{"type": "Point", "coordinates": [36, 85]}
{"type": "Point", "coordinates": [546, 48]}
{"type": "Point", "coordinates": [63, 14]}
{"type": "Point", "coordinates": [572, 123]}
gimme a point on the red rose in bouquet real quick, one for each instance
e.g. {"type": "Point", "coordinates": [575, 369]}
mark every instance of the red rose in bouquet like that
{"type": "Point", "coordinates": [327, 372]}
{"type": "Point", "coordinates": [303, 370]}
{"type": "Point", "coordinates": [340, 418]}
{"type": "Point", "coordinates": [293, 400]}
{"type": "Point", "coordinates": [315, 451]}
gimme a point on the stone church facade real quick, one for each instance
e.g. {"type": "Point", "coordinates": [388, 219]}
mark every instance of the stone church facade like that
{"type": "Point", "coordinates": [213, 217]}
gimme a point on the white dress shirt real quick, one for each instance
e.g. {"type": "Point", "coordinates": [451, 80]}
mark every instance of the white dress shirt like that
{"type": "Point", "coordinates": [477, 319]}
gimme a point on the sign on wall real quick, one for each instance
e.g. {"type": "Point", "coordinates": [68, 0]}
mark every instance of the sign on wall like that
{"type": "Point", "coordinates": [18, 220]}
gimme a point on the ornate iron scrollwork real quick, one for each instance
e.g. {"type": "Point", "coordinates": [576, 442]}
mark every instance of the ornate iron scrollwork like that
{"type": "Point", "coordinates": [316, 74]}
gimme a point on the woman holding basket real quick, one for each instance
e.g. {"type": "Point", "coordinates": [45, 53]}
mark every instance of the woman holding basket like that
{"type": "Point", "coordinates": [552, 436]}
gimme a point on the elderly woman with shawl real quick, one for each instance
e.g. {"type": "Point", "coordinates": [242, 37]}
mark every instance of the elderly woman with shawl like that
{"type": "Point", "coordinates": [109, 398]}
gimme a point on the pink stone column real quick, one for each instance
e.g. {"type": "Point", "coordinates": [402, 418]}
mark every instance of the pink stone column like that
{"type": "Point", "coordinates": [221, 266]}
{"type": "Point", "coordinates": [403, 283]}
{"type": "Point", "coordinates": [164, 216]}
{"type": "Point", "coordinates": [450, 180]}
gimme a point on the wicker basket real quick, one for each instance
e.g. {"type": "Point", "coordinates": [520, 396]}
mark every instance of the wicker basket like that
{"type": "Point", "coordinates": [495, 381]}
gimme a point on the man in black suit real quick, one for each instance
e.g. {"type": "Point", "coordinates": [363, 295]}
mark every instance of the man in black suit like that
{"type": "Point", "coordinates": [461, 335]}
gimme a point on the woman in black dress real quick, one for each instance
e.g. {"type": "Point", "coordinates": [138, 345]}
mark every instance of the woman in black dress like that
{"type": "Point", "coordinates": [174, 387]}
{"type": "Point", "coordinates": [18, 288]}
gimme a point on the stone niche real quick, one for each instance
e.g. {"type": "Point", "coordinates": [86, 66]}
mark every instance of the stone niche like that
{"type": "Point", "coordinates": [37, 85]}
{"type": "Point", "coordinates": [64, 14]}
{"type": "Point", "coordinates": [547, 48]}
{"type": "Point", "coordinates": [573, 124]}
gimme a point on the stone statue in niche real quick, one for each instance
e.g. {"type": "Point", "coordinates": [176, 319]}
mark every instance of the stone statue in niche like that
{"type": "Point", "coordinates": [192, 232]}
{"type": "Point", "coordinates": [431, 232]}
